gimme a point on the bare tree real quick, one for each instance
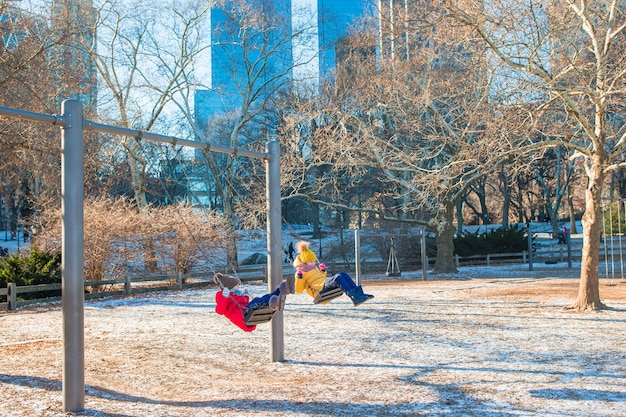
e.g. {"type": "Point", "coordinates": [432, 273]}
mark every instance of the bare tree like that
{"type": "Point", "coordinates": [573, 52]}
{"type": "Point", "coordinates": [142, 55]}
{"type": "Point", "coordinates": [418, 120]}
{"type": "Point", "coordinates": [553, 172]}
{"type": "Point", "coordinates": [254, 42]}
{"type": "Point", "coordinates": [33, 76]}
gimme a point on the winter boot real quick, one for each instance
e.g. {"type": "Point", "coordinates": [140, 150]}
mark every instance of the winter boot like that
{"type": "Point", "coordinates": [291, 281]}
{"type": "Point", "coordinates": [274, 302]}
{"type": "Point", "coordinates": [277, 302]}
{"type": "Point", "coordinates": [357, 296]}
{"type": "Point", "coordinates": [284, 288]}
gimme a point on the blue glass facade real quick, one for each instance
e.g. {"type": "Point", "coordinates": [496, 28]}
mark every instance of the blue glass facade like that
{"type": "Point", "coordinates": [335, 17]}
{"type": "Point", "coordinates": [238, 57]}
{"type": "Point", "coordinates": [246, 61]}
{"type": "Point", "coordinates": [233, 58]}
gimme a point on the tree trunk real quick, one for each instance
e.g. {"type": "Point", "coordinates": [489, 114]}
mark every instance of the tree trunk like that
{"type": "Point", "coordinates": [553, 213]}
{"type": "Point", "coordinates": [482, 198]}
{"type": "Point", "coordinates": [506, 193]}
{"type": "Point", "coordinates": [572, 214]}
{"type": "Point", "coordinates": [459, 216]}
{"type": "Point", "coordinates": [589, 291]}
{"type": "Point", "coordinates": [445, 243]}
{"type": "Point", "coordinates": [317, 227]}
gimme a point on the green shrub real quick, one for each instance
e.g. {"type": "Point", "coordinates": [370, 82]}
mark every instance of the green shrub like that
{"type": "Point", "coordinates": [36, 268]}
{"type": "Point", "coordinates": [511, 240]}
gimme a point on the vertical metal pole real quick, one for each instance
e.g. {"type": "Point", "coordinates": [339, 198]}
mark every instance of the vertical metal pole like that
{"type": "Point", "coordinates": [357, 255]}
{"type": "Point", "coordinates": [274, 245]}
{"type": "Point", "coordinates": [72, 261]}
{"type": "Point", "coordinates": [423, 254]}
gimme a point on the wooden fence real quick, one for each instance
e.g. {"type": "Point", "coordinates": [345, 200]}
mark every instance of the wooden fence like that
{"type": "Point", "coordinates": [128, 285]}
{"type": "Point", "coordinates": [125, 285]}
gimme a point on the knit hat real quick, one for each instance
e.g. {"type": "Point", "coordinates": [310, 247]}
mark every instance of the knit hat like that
{"type": "Point", "coordinates": [306, 254]}
{"type": "Point", "coordinates": [227, 281]}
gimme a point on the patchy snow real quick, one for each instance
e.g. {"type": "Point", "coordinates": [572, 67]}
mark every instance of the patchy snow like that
{"type": "Point", "coordinates": [489, 342]}
{"type": "Point", "coordinates": [13, 245]}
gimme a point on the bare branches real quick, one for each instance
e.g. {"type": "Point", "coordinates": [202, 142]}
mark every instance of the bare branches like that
{"type": "Point", "coordinates": [115, 234]}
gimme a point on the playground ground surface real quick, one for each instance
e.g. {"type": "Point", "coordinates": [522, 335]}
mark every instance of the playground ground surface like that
{"type": "Point", "coordinates": [489, 342]}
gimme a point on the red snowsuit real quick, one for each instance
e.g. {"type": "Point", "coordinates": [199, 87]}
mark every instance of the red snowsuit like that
{"type": "Point", "coordinates": [233, 308]}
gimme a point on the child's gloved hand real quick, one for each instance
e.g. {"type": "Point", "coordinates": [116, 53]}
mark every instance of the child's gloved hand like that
{"type": "Point", "coordinates": [226, 292]}
{"type": "Point", "coordinates": [323, 267]}
{"type": "Point", "coordinates": [299, 274]}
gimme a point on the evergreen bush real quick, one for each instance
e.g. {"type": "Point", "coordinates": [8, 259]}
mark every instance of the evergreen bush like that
{"type": "Point", "coordinates": [39, 267]}
{"type": "Point", "coordinates": [511, 240]}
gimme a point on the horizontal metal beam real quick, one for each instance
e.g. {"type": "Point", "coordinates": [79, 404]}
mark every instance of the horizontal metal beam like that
{"type": "Point", "coordinates": [54, 119]}
{"type": "Point", "coordinates": [59, 120]}
{"type": "Point", "coordinates": [172, 140]}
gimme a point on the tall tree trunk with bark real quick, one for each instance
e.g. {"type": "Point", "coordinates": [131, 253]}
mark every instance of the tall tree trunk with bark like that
{"type": "Point", "coordinates": [459, 216]}
{"type": "Point", "coordinates": [445, 241]}
{"type": "Point", "coordinates": [589, 293]}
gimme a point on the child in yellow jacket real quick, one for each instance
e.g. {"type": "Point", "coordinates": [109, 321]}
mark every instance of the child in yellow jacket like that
{"type": "Point", "coordinates": [311, 276]}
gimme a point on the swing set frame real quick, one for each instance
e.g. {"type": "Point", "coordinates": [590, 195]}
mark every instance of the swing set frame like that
{"type": "Point", "coordinates": [73, 125]}
{"type": "Point", "coordinates": [393, 267]}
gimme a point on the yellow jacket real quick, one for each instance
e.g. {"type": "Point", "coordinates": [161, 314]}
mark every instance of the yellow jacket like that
{"type": "Point", "coordinates": [312, 281]}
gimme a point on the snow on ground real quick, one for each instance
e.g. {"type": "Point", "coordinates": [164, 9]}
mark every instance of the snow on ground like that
{"type": "Point", "coordinates": [12, 244]}
{"type": "Point", "coordinates": [489, 342]}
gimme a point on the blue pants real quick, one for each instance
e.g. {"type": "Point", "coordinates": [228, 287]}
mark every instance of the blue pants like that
{"type": "Point", "coordinates": [341, 280]}
{"type": "Point", "coordinates": [263, 301]}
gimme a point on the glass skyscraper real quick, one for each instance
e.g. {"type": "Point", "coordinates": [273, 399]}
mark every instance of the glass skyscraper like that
{"type": "Point", "coordinates": [237, 55]}
{"type": "Point", "coordinates": [335, 18]}
{"type": "Point", "coordinates": [251, 56]}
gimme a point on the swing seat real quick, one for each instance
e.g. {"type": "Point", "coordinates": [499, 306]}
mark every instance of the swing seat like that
{"type": "Point", "coordinates": [259, 316]}
{"type": "Point", "coordinates": [327, 294]}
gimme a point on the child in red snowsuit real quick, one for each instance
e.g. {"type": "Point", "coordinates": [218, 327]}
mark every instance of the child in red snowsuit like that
{"type": "Point", "coordinates": [233, 302]}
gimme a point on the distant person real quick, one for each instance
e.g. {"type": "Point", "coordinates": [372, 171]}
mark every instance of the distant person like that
{"type": "Point", "coordinates": [311, 276]}
{"type": "Point", "coordinates": [292, 252]}
{"type": "Point", "coordinates": [561, 236]}
{"type": "Point", "coordinates": [234, 302]}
